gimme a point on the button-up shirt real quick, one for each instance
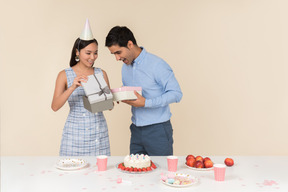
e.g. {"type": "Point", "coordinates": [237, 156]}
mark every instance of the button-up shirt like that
{"type": "Point", "coordinates": [159, 87]}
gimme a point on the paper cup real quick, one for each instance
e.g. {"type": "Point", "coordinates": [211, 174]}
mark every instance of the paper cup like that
{"type": "Point", "coordinates": [102, 162]}
{"type": "Point", "coordinates": [219, 172]}
{"type": "Point", "coordinates": [172, 162]}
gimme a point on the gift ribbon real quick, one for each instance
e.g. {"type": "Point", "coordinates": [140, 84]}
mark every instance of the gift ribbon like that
{"type": "Point", "coordinates": [102, 91]}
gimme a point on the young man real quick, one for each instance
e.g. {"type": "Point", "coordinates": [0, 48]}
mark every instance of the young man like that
{"type": "Point", "coordinates": [151, 130]}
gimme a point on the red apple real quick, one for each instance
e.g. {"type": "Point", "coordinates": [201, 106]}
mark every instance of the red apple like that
{"type": "Point", "coordinates": [199, 164]}
{"type": "Point", "coordinates": [229, 162]}
{"type": "Point", "coordinates": [189, 157]}
{"type": "Point", "coordinates": [206, 158]}
{"type": "Point", "coordinates": [191, 162]}
{"type": "Point", "coordinates": [199, 158]}
{"type": "Point", "coordinates": [208, 163]}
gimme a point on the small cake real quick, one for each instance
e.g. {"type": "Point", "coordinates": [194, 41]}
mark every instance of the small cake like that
{"type": "Point", "coordinates": [137, 161]}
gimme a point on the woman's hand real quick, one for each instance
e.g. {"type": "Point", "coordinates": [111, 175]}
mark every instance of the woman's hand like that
{"type": "Point", "coordinates": [77, 81]}
{"type": "Point", "coordinates": [62, 93]}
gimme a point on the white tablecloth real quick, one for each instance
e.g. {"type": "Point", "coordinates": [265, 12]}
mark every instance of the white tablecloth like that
{"type": "Point", "coordinates": [38, 174]}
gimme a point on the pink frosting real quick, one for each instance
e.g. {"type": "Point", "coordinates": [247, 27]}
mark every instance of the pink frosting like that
{"type": "Point", "coordinates": [126, 89]}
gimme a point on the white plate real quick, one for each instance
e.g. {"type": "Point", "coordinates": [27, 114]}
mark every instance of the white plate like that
{"type": "Point", "coordinates": [71, 164]}
{"type": "Point", "coordinates": [142, 172]}
{"type": "Point", "coordinates": [199, 169]}
{"type": "Point", "coordinates": [183, 176]}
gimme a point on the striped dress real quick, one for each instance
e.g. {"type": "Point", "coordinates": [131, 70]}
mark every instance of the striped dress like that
{"type": "Point", "coordinates": [84, 133]}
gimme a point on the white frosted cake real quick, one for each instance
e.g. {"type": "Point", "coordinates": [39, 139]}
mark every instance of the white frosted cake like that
{"type": "Point", "coordinates": [137, 161]}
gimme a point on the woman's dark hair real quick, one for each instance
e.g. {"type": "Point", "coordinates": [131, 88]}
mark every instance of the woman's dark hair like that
{"type": "Point", "coordinates": [78, 45]}
{"type": "Point", "coordinates": [119, 36]}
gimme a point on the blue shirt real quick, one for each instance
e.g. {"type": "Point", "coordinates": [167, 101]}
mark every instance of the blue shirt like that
{"type": "Point", "coordinates": [159, 87]}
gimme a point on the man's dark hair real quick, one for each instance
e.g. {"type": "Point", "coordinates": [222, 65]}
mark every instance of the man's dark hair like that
{"type": "Point", "coordinates": [119, 36]}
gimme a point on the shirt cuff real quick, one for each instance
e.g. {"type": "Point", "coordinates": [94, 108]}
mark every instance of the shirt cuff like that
{"type": "Point", "coordinates": [148, 103]}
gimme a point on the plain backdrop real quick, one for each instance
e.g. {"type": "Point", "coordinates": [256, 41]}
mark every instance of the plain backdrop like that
{"type": "Point", "coordinates": [229, 56]}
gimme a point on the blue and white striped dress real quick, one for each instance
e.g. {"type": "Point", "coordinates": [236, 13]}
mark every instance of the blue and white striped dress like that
{"type": "Point", "coordinates": [85, 133]}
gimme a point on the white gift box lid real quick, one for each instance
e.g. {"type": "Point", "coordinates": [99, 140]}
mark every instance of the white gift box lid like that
{"type": "Point", "coordinates": [96, 89]}
{"type": "Point", "coordinates": [125, 93]}
{"type": "Point", "coordinates": [126, 89]}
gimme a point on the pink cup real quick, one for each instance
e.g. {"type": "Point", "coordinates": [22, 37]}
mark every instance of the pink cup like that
{"type": "Point", "coordinates": [219, 172]}
{"type": "Point", "coordinates": [172, 163]}
{"type": "Point", "coordinates": [102, 162]}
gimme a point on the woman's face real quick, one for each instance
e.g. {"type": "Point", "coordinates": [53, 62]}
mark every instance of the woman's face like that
{"type": "Point", "coordinates": [88, 54]}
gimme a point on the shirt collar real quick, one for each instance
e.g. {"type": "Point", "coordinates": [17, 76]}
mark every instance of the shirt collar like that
{"type": "Point", "coordinates": [140, 57]}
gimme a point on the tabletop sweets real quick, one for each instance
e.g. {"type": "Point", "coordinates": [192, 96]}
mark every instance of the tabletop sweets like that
{"type": "Point", "coordinates": [179, 179]}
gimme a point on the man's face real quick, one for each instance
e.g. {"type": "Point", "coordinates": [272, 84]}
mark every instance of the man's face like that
{"type": "Point", "coordinates": [124, 54]}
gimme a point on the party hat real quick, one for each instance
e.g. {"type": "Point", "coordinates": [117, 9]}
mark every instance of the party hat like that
{"type": "Point", "coordinates": [86, 33]}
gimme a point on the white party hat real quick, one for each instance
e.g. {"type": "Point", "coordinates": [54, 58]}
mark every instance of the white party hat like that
{"type": "Point", "coordinates": [86, 33]}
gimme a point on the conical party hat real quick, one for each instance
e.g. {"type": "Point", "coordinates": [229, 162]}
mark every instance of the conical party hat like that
{"type": "Point", "coordinates": [86, 33]}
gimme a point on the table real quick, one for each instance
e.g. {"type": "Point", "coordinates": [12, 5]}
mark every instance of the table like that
{"type": "Point", "coordinates": [35, 174]}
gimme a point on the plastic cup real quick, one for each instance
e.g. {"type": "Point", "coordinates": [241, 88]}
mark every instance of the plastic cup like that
{"type": "Point", "coordinates": [172, 162]}
{"type": "Point", "coordinates": [219, 172]}
{"type": "Point", "coordinates": [102, 162]}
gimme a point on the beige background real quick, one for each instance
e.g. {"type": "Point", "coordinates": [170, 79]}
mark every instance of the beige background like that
{"type": "Point", "coordinates": [229, 56]}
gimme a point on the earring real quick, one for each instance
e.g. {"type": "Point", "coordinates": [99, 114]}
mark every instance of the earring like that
{"type": "Point", "coordinates": [77, 58]}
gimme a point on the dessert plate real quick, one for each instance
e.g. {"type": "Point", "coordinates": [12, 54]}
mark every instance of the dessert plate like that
{"type": "Point", "coordinates": [199, 169]}
{"type": "Point", "coordinates": [70, 164]}
{"type": "Point", "coordinates": [182, 180]}
{"type": "Point", "coordinates": [134, 172]}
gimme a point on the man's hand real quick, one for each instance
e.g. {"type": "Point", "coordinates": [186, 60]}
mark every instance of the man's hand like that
{"type": "Point", "coordinates": [139, 102]}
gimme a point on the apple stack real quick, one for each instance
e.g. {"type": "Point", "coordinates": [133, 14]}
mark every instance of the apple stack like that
{"type": "Point", "coordinates": [198, 161]}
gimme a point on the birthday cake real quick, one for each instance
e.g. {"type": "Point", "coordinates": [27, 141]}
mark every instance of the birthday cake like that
{"type": "Point", "coordinates": [137, 161]}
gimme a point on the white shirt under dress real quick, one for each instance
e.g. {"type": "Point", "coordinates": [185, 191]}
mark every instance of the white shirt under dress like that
{"type": "Point", "coordinates": [84, 133]}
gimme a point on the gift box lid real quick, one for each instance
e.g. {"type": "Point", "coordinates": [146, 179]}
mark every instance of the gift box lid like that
{"type": "Point", "coordinates": [126, 89]}
{"type": "Point", "coordinates": [96, 88]}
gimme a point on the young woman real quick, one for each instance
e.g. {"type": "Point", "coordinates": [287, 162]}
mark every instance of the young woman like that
{"type": "Point", "coordinates": [85, 133]}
